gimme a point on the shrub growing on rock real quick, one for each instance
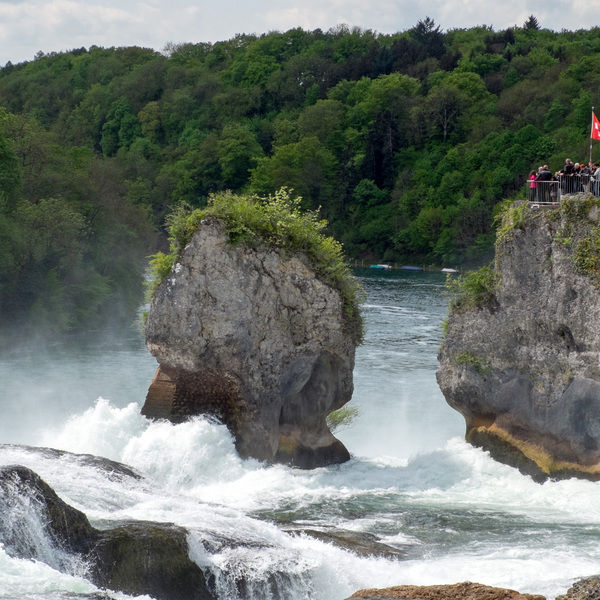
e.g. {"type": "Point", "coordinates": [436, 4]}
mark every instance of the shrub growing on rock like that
{"type": "Point", "coordinates": [277, 221]}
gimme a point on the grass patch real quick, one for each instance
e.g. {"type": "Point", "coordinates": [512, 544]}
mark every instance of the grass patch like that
{"type": "Point", "coordinates": [511, 218]}
{"type": "Point", "coordinates": [577, 208]}
{"type": "Point", "coordinates": [342, 417]}
{"type": "Point", "coordinates": [445, 324]}
{"type": "Point", "coordinates": [475, 289]}
{"type": "Point", "coordinates": [277, 222]}
{"type": "Point", "coordinates": [587, 256]}
{"type": "Point", "coordinates": [468, 358]}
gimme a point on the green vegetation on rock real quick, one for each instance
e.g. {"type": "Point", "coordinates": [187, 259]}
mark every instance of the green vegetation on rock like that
{"type": "Point", "coordinates": [579, 232]}
{"type": "Point", "coordinates": [277, 221]}
{"type": "Point", "coordinates": [472, 290]}
{"type": "Point", "coordinates": [342, 417]}
{"type": "Point", "coordinates": [511, 218]}
{"type": "Point", "coordinates": [468, 358]}
{"type": "Point", "coordinates": [587, 256]}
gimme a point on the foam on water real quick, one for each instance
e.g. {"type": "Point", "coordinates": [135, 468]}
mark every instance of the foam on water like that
{"type": "Point", "coordinates": [35, 580]}
{"type": "Point", "coordinates": [102, 430]}
{"type": "Point", "coordinates": [194, 477]}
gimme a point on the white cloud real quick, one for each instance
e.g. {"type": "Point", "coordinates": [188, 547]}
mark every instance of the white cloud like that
{"type": "Point", "coordinates": [59, 25]}
{"type": "Point", "coordinates": [27, 26]}
{"type": "Point", "coordinates": [383, 15]}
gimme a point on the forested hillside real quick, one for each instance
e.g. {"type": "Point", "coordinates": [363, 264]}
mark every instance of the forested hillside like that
{"type": "Point", "coordinates": [406, 141]}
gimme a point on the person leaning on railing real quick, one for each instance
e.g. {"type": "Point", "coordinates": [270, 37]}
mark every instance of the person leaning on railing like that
{"type": "Point", "coordinates": [579, 177]}
{"type": "Point", "coordinates": [532, 186]}
{"type": "Point", "coordinates": [543, 179]}
{"type": "Point", "coordinates": [576, 187]}
{"type": "Point", "coordinates": [565, 176]}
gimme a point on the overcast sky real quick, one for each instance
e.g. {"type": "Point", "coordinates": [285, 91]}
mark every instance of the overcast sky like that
{"type": "Point", "coordinates": [27, 26]}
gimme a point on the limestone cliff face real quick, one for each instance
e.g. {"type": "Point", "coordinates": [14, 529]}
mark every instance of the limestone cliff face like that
{"type": "Point", "coordinates": [524, 369]}
{"type": "Point", "coordinates": [253, 337]}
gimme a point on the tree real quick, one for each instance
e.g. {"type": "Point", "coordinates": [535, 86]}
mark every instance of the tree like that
{"type": "Point", "coordinates": [120, 128]}
{"type": "Point", "coordinates": [10, 175]}
{"type": "Point", "coordinates": [531, 24]}
{"type": "Point", "coordinates": [238, 152]}
{"type": "Point", "coordinates": [430, 37]}
{"type": "Point", "coordinates": [323, 120]}
{"type": "Point", "coordinates": [149, 119]}
{"type": "Point", "coordinates": [445, 104]}
{"type": "Point", "coordinates": [306, 166]}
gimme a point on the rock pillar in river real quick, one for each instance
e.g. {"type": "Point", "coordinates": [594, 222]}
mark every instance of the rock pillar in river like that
{"type": "Point", "coordinates": [523, 367]}
{"type": "Point", "coordinates": [253, 337]}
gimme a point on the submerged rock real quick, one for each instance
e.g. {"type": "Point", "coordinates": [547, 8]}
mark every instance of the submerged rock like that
{"type": "Point", "coordinates": [458, 591]}
{"type": "Point", "coordinates": [147, 558]}
{"type": "Point", "coordinates": [36, 524]}
{"type": "Point", "coordinates": [358, 542]}
{"type": "Point", "coordinates": [522, 366]}
{"type": "Point", "coordinates": [115, 471]}
{"type": "Point", "coordinates": [137, 558]}
{"type": "Point", "coordinates": [253, 337]}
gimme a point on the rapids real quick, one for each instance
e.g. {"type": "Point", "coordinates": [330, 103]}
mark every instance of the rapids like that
{"type": "Point", "coordinates": [413, 482]}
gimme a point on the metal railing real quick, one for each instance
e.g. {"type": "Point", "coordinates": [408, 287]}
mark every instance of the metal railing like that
{"type": "Point", "coordinates": [543, 192]}
{"type": "Point", "coordinates": [550, 192]}
{"type": "Point", "coordinates": [575, 184]}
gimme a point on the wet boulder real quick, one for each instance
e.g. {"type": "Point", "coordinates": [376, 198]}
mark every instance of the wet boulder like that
{"type": "Point", "coordinates": [587, 588]}
{"type": "Point", "coordinates": [137, 558]}
{"type": "Point", "coordinates": [147, 558]}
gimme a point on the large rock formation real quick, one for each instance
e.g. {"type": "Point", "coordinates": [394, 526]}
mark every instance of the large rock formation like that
{"type": "Point", "coordinates": [523, 368]}
{"type": "Point", "coordinates": [255, 338]}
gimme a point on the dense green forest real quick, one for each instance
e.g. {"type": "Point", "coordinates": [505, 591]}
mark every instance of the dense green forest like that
{"type": "Point", "coordinates": [407, 142]}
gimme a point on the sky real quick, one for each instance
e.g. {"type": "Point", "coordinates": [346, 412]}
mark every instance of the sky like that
{"type": "Point", "coordinates": [30, 26]}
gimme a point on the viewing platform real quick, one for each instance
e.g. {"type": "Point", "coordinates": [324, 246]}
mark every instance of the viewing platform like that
{"type": "Point", "coordinates": [551, 192]}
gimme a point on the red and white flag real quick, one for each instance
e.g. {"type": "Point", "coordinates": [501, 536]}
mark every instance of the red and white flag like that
{"type": "Point", "coordinates": [595, 134]}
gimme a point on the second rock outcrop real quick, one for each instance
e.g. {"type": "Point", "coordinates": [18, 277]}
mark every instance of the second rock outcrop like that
{"type": "Point", "coordinates": [520, 360]}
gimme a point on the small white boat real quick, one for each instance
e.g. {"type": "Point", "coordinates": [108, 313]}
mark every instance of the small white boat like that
{"type": "Point", "coordinates": [448, 270]}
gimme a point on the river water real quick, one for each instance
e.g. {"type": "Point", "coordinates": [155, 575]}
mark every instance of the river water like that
{"type": "Point", "coordinates": [452, 512]}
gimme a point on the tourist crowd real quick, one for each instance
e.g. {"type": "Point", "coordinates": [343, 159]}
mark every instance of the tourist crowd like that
{"type": "Point", "coordinates": [545, 186]}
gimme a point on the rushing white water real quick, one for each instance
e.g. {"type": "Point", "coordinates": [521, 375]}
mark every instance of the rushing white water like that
{"type": "Point", "coordinates": [412, 482]}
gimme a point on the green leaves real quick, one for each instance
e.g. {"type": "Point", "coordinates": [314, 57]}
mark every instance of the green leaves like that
{"type": "Point", "coordinates": [444, 124]}
{"type": "Point", "coordinates": [10, 173]}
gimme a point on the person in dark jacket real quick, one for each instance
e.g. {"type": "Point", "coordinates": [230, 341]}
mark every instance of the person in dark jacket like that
{"type": "Point", "coordinates": [566, 177]}
{"type": "Point", "coordinates": [544, 179]}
